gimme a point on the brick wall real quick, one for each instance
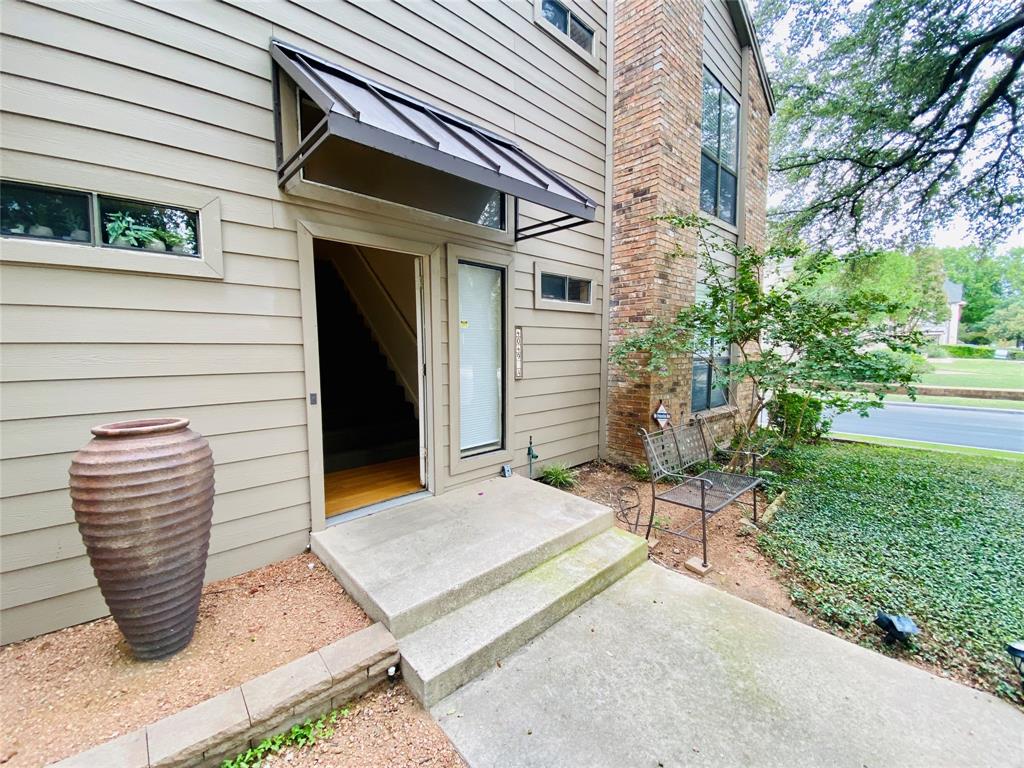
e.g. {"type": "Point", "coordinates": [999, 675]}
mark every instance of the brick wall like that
{"type": "Point", "coordinates": [656, 167]}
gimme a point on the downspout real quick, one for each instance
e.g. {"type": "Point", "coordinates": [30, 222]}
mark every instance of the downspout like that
{"type": "Point", "coordinates": [609, 128]}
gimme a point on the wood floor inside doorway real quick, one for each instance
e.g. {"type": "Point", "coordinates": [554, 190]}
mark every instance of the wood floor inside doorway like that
{"type": "Point", "coordinates": [359, 487]}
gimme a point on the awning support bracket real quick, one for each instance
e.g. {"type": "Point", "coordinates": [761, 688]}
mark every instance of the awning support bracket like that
{"type": "Point", "coordinates": [568, 221]}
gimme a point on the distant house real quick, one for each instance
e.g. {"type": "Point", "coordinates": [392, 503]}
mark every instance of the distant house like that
{"type": "Point", "coordinates": [946, 332]}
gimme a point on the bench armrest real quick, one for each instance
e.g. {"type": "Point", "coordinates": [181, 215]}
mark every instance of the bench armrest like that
{"type": "Point", "coordinates": [701, 480]}
{"type": "Point", "coordinates": [759, 455]}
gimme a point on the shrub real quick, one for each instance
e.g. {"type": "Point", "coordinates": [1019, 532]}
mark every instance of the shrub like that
{"type": "Point", "coordinates": [798, 418]}
{"type": "Point", "coordinates": [558, 476]}
{"type": "Point", "coordinates": [1016, 354]}
{"type": "Point", "coordinates": [975, 338]}
{"type": "Point", "coordinates": [640, 472]}
{"type": "Point", "coordinates": [963, 350]}
{"type": "Point", "coordinates": [915, 363]}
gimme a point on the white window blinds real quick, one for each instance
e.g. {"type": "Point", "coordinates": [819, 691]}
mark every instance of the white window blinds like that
{"type": "Point", "coordinates": [480, 358]}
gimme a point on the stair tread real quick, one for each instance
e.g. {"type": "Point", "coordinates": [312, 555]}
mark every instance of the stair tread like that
{"type": "Point", "coordinates": [410, 565]}
{"type": "Point", "coordinates": [454, 637]}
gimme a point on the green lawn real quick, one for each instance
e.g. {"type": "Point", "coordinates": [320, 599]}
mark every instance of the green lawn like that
{"type": "Point", "coordinates": [934, 535]}
{"type": "Point", "coordinates": [971, 402]}
{"type": "Point", "coordinates": [992, 374]}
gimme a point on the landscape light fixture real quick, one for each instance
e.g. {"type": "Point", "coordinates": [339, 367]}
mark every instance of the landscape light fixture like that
{"type": "Point", "coordinates": [1016, 651]}
{"type": "Point", "coordinates": [896, 627]}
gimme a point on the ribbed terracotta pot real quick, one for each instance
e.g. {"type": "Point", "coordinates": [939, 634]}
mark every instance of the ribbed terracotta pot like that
{"type": "Point", "coordinates": [142, 492]}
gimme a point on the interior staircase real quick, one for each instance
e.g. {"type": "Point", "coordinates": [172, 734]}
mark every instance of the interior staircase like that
{"type": "Point", "coordinates": [464, 579]}
{"type": "Point", "coordinates": [367, 418]}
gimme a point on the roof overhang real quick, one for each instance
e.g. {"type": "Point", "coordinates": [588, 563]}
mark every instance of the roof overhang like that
{"type": "Point", "coordinates": [747, 36]}
{"type": "Point", "coordinates": [372, 114]}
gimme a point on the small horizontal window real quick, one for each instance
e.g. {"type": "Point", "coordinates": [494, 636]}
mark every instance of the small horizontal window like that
{"type": "Point", "coordinates": [564, 288]}
{"type": "Point", "coordinates": [48, 213]}
{"type": "Point", "coordinates": [568, 24]}
{"type": "Point", "coordinates": [128, 224]}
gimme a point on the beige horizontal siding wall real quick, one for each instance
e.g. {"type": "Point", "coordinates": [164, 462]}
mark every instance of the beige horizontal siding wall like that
{"type": "Point", "coordinates": [175, 97]}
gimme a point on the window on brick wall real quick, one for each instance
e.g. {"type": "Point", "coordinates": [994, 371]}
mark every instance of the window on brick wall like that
{"type": "Point", "coordinates": [719, 159]}
{"type": "Point", "coordinates": [708, 391]}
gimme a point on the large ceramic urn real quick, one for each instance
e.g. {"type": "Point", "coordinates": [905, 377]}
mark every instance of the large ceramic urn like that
{"type": "Point", "coordinates": [142, 492]}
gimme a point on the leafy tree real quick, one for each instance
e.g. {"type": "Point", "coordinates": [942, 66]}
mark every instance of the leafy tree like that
{"type": "Point", "coordinates": [1007, 322]}
{"type": "Point", "coordinates": [830, 347]}
{"type": "Point", "coordinates": [913, 282]}
{"type": "Point", "coordinates": [982, 277]}
{"type": "Point", "coordinates": [894, 115]}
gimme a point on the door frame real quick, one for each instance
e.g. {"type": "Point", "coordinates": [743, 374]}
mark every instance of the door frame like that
{"type": "Point", "coordinates": [307, 232]}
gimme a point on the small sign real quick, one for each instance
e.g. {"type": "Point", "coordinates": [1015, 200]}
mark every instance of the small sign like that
{"type": "Point", "coordinates": [661, 415]}
{"type": "Point", "coordinates": [463, 324]}
{"type": "Point", "coordinates": [519, 352]}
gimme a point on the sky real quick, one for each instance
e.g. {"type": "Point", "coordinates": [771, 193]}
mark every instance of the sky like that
{"type": "Point", "coordinates": [958, 233]}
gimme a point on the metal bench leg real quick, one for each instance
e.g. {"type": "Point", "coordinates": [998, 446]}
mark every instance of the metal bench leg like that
{"type": "Point", "coordinates": [654, 503]}
{"type": "Point", "coordinates": [703, 526]}
{"type": "Point", "coordinates": [754, 489]}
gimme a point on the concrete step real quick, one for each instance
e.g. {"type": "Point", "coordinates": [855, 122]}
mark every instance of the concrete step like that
{"type": "Point", "coordinates": [449, 652]}
{"type": "Point", "coordinates": [412, 564]}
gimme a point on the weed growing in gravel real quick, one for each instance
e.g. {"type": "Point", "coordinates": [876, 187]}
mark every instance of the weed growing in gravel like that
{"type": "Point", "coordinates": [299, 736]}
{"type": "Point", "coordinates": [558, 476]}
{"type": "Point", "coordinates": [933, 535]}
{"type": "Point", "coordinates": [640, 472]}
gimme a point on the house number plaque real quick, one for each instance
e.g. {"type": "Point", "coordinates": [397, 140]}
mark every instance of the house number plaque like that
{"type": "Point", "coordinates": [519, 352]}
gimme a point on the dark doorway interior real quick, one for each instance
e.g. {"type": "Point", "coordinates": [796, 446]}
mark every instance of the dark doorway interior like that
{"type": "Point", "coordinates": [370, 426]}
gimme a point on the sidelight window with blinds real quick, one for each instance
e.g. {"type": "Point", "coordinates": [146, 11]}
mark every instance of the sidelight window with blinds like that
{"type": "Point", "coordinates": [481, 331]}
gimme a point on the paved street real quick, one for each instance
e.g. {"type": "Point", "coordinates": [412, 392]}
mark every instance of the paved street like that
{"type": "Point", "coordinates": [981, 428]}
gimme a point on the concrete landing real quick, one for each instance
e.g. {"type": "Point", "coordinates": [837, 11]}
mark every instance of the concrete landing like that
{"type": "Point", "coordinates": [410, 565]}
{"type": "Point", "coordinates": [661, 670]}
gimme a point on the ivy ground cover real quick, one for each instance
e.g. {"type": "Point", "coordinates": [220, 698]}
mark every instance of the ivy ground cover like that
{"type": "Point", "coordinates": [934, 535]}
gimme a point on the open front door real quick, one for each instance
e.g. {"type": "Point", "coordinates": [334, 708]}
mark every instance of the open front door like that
{"type": "Point", "coordinates": [369, 313]}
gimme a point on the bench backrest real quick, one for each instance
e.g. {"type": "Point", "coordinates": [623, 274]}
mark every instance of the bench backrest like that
{"type": "Point", "coordinates": [670, 451]}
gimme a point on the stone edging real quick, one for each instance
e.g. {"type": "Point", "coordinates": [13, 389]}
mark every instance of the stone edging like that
{"type": "Point", "coordinates": [219, 728]}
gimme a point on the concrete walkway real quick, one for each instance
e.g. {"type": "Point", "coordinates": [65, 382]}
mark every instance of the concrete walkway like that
{"type": "Point", "coordinates": [660, 670]}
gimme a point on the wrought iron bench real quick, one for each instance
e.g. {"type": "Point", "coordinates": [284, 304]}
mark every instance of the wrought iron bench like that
{"type": "Point", "coordinates": [671, 452]}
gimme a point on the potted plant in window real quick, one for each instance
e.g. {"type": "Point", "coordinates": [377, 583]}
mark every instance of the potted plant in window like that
{"type": "Point", "coordinates": [41, 213]}
{"type": "Point", "coordinates": [75, 225]}
{"type": "Point", "coordinates": [171, 241]}
{"type": "Point", "coordinates": [122, 231]}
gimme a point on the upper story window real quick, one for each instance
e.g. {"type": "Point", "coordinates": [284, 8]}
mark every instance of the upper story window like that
{"type": "Point", "coordinates": [48, 213]}
{"type": "Point", "coordinates": [564, 288]}
{"type": "Point", "coordinates": [569, 24]}
{"type": "Point", "coordinates": [720, 124]}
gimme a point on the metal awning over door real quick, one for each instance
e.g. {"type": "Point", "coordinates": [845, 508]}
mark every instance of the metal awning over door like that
{"type": "Point", "coordinates": [373, 115]}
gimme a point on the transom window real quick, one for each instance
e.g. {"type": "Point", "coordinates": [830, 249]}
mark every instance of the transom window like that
{"type": "Point", "coordinates": [720, 121]}
{"type": "Point", "coordinates": [564, 288]}
{"type": "Point", "coordinates": [568, 23]}
{"type": "Point", "coordinates": [88, 218]}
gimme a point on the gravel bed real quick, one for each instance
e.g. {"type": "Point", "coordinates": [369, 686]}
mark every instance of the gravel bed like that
{"type": "Point", "coordinates": [386, 728]}
{"type": "Point", "coordinates": [77, 687]}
